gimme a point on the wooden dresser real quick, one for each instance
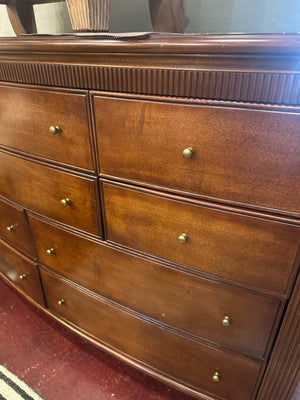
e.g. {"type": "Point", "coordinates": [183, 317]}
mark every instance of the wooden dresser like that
{"type": "Point", "coordinates": [150, 201]}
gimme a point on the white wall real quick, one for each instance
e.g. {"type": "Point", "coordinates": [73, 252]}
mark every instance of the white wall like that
{"type": "Point", "coordinates": [255, 16]}
{"type": "Point", "coordinates": [203, 16]}
{"type": "Point", "coordinates": [5, 27]}
{"type": "Point", "coordinates": [52, 18]}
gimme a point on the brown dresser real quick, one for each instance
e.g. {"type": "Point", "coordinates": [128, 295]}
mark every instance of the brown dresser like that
{"type": "Point", "coordinates": [150, 201]}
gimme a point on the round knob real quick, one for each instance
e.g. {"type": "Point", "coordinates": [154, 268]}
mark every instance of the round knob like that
{"type": "Point", "coordinates": [65, 202]}
{"type": "Point", "coordinates": [226, 321]}
{"type": "Point", "coordinates": [188, 152]}
{"type": "Point", "coordinates": [11, 228]}
{"type": "Point", "coordinates": [22, 276]}
{"type": "Point", "coordinates": [54, 129]}
{"type": "Point", "coordinates": [183, 238]}
{"type": "Point", "coordinates": [216, 377]}
{"type": "Point", "coordinates": [61, 302]}
{"type": "Point", "coordinates": [50, 251]}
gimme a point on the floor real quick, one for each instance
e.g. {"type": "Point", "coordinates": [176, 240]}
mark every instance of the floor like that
{"type": "Point", "coordinates": [59, 365]}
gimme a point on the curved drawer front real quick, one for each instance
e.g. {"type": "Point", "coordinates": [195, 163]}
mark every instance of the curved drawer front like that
{"type": "Point", "coordinates": [28, 114]}
{"type": "Point", "coordinates": [249, 250]}
{"type": "Point", "coordinates": [187, 361]}
{"type": "Point", "coordinates": [181, 300]}
{"type": "Point", "coordinates": [244, 156]}
{"type": "Point", "coordinates": [21, 271]}
{"type": "Point", "coordinates": [42, 189]}
{"type": "Point", "coordinates": [13, 227]}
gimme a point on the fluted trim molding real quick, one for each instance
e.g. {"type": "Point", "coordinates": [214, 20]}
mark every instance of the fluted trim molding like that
{"type": "Point", "coordinates": [283, 372]}
{"type": "Point", "coordinates": [241, 86]}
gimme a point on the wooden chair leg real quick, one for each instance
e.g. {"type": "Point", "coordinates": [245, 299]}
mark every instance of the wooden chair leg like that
{"type": "Point", "coordinates": [21, 16]}
{"type": "Point", "coordinates": [167, 15]}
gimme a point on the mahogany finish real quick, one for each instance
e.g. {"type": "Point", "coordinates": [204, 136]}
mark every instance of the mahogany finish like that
{"type": "Point", "coordinates": [13, 265]}
{"type": "Point", "coordinates": [172, 297]}
{"type": "Point", "coordinates": [14, 228]}
{"type": "Point", "coordinates": [37, 111]}
{"type": "Point", "coordinates": [159, 348]}
{"type": "Point", "coordinates": [283, 372]}
{"type": "Point", "coordinates": [205, 68]}
{"type": "Point", "coordinates": [252, 251]}
{"type": "Point", "coordinates": [214, 314]}
{"type": "Point", "coordinates": [241, 156]}
{"type": "Point", "coordinates": [41, 189]}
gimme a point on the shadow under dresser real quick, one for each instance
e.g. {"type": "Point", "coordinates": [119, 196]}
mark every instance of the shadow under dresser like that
{"type": "Point", "coordinates": [150, 201]}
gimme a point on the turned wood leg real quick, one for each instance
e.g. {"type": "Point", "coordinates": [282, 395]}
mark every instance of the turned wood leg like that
{"type": "Point", "coordinates": [167, 15]}
{"type": "Point", "coordinates": [21, 16]}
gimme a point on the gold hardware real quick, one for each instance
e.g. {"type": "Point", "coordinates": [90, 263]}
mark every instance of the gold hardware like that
{"type": "Point", "coordinates": [188, 152]}
{"type": "Point", "coordinates": [216, 377]}
{"type": "Point", "coordinates": [65, 202]}
{"type": "Point", "coordinates": [23, 276]}
{"type": "Point", "coordinates": [51, 251]}
{"type": "Point", "coordinates": [11, 228]}
{"type": "Point", "coordinates": [54, 129]}
{"type": "Point", "coordinates": [183, 238]}
{"type": "Point", "coordinates": [226, 321]}
{"type": "Point", "coordinates": [61, 302]}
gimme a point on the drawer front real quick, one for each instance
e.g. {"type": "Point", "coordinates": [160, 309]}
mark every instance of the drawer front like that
{"type": "Point", "coordinates": [188, 361]}
{"type": "Point", "coordinates": [252, 251]}
{"type": "Point", "coordinates": [188, 303]}
{"type": "Point", "coordinates": [13, 227]}
{"type": "Point", "coordinates": [41, 189]}
{"type": "Point", "coordinates": [244, 156]}
{"type": "Point", "coordinates": [27, 115]}
{"type": "Point", "coordinates": [21, 271]}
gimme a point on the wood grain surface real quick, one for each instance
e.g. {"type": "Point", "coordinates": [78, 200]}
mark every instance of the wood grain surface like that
{"type": "Point", "coordinates": [172, 297]}
{"type": "Point", "coordinates": [13, 216]}
{"type": "Point", "coordinates": [41, 189]}
{"type": "Point", "coordinates": [243, 156]}
{"type": "Point", "coordinates": [35, 111]}
{"type": "Point", "coordinates": [163, 350]}
{"type": "Point", "coordinates": [251, 251]}
{"type": "Point", "coordinates": [13, 264]}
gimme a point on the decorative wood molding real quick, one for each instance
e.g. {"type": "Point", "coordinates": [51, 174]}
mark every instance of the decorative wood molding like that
{"type": "Point", "coordinates": [283, 372]}
{"type": "Point", "coordinates": [240, 86]}
{"type": "Point", "coordinates": [231, 45]}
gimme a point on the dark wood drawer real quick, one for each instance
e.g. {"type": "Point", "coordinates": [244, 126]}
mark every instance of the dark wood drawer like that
{"type": "Point", "coordinates": [27, 114]}
{"type": "Point", "coordinates": [253, 251]}
{"type": "Point", "coordinates": [186, 361]}
{"type": "Point", "coordinates": [244, 156]}
{"type": "Point", "coordinates": [184, 301]}
{"type": "Point", "coordinates": [21, 271]}
{"type": "Point", "coordinates": [41, 189]}
{"type": "Point", "coordinates": [13, 227]}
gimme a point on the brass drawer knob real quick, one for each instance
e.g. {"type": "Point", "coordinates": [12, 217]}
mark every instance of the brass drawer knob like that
{"type": "Point", "coordinates": [216, 377]}
{"type": "Point", "coordinates": [50, 251]}
{"type": "Point", "coordinates": [22, 276]}
{"type": "Point", "coordinates": [11, 228]}
{"type": "Point", "coordinates": [54, 129]}
{"type": "Point", "coordinates": [183, 238]}
{"type": "Point", "coordinates": [61, 302]}
{"type": "Point", "coordinates": [65, 202]}
{"type": "Point", "coordinates": [226, 321]}
{"type": "Point", "coordinates": [188, 152]}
